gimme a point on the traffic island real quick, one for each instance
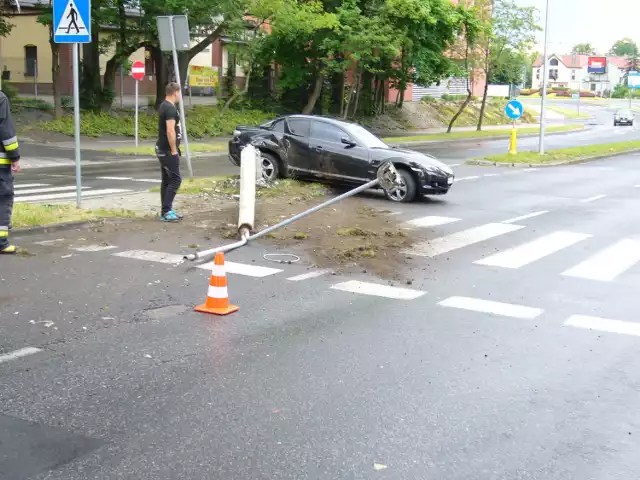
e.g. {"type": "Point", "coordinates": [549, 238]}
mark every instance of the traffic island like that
{"type": "Point", "coordinates": [560, 156]}
{"type": "Point", "coordinates": [30, 217]}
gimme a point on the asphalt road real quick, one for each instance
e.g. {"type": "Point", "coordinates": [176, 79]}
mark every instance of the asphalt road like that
{"type": "Point", "coordinates": [512, 353]}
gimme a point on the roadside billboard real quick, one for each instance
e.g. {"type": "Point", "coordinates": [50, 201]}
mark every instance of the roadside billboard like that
{"type": "Point", "coordinates": [597, 65]}
{"type": "Point", "coordinates": [202, 76]}
{"type": "Point", "coordinates": [633, 80]}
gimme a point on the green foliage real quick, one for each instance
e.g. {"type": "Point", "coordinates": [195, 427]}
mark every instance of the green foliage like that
{"type": "Point", "coordinates": [624, 48]}
{"type": "Point", "coordinates": [583, 49]}
{"type": "Point", "coordinates": [452, 98]}
{"type": "Point", "coordinates": [201, 121]}
{"type": "Point", "coordinates": [10, 90]}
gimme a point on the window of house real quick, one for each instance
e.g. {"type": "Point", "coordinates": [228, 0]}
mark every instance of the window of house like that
{"type": "Point", "coordinates": [538, 74]}
{"type": "Point", "coordinates": [593, 87]}
{"type": "Point", "coordinates": [30, 60]}
{"type": "Point", "coordinates": [573, 74]}
{"type": "Point", "coordinates": [553, 74]}
{"type": "Point", "coordinates": [554, 62]}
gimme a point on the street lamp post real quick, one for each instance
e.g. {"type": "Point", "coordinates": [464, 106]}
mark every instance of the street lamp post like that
{"type": "Point", "coordinates": [544, 81]}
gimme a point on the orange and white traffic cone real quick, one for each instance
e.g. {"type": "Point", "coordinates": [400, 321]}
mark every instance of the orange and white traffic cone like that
{"type": "Point", "coordinates": [218, 296]}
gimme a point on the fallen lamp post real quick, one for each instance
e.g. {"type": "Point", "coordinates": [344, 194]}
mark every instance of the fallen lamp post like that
{"type": "Point", "coordinates": [387, 177]}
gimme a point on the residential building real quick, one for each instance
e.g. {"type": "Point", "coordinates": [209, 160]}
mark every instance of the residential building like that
{"type": "Point", "coordinates": [572, 71]}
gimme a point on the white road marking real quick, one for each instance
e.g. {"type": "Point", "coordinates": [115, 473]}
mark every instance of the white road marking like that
{"type": "Point", "coordinates": [472, 177]}
{"type": "Point", "coordinates": [431, 221]}
{"type": "Point", "coordinates": [23, 352]}
{"type": "Point", "coordinates": [147, 180]}
{"type": "Point", "coordinates": [448, 243]}
{"type": "Point", "coordinates": [603, 325]}
{"type": "Point", "coordinates": [94, 248]}
{"type": "Point", "coordinates": [150, 256]}
{"type": "Point", "coordinates": [608, 263]}
{"type": "Point", "coordinates": [454, 165]}
{"type": "Point", "coordinates": [491, 175]}
{"type": "Point", "coordinates": [495, 308]}
{"type": "Point", "coordinates": [49, 242]}
{"type": "Point", "coordinates": [377, 290]}
{"type": "Point", "coordinates": [592, 199]}
{"type": "Point", "coordinates": [46, 190]}
{"type": "Point", "coordinates": [535, 250]}
{"type": "Point", "coordinates": [244, 269]}
{"type": "Point", "coordinates": [18, 186]}
{"type": "Point", "coordinates": [309, 275]}
{"type": "Point", "coordinates": [524, 217]}
{"type": "Point", "coordinates": [59, 196]}
{"type": "Point", "coordinates": [114, 178]}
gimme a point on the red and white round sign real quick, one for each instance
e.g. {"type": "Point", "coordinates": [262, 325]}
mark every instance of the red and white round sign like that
{"type": "Point", "coordinates": [137, 70]}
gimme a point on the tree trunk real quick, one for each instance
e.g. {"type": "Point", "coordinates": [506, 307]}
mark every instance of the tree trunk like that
{"type": "Point", "coordinates": [160, 66]}
{"type": "Point", "coordinates": [359, 89]}
{"type": "Point", "coordinates": [237, 95]}
{"type": "Point", "coordinates": [315, 94]}
{"type": "Point", "coordinates": [486, 91]}
{"type": "Point", "coordinates": [55, 74]}
{"type": "Point", "coordinates": [460, 110]}
{"type": "Point", "coordinates": [342, 83]}
{"type": "Point", "coordinates": [109, 80]}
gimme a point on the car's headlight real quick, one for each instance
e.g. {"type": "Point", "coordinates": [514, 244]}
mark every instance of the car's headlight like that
{"type": "Point", "coordinates": [236, 133]}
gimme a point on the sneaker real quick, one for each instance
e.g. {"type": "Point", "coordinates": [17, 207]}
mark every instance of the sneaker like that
{"type": "Point", "coordinates": [9, 250]}
{"type": "Point", "coordinates": [170, 217]}
{"type": "Point", "coordinates": [179, 215]}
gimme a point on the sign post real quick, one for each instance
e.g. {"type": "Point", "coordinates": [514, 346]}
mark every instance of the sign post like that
{"type": "Point", "coordinates": [72, 24]}
{"type": "Point", "coordinates": [137, 72]}
{"type": "Point", "coordinates": [173, 36]}
{"type": "Point", "coordinates": [514, 111]}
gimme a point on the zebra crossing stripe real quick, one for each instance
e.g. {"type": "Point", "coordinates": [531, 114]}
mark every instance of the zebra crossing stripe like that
{"type": "Point", "coordinates": [491, 307]}
{"type": "Point", "coordinates": [604, 325]}
{"type": "Point", "coordinates": [535, 250]}
{"type": "Point", "coordinates": [430, 221]}
{"type": "Point", "coordinates": [607, 264]}
{"type": "Point", "coordinates": [30, 185]}
{"type": "Point", "coordinates": [47, 190]}
{"type": "Point", "coordinates": [62, 196]}
{"type": "Point", "coordinates": [464, 238]}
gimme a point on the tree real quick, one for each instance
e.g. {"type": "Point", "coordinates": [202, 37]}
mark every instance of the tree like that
{"type": "Point", "coordinates": [623, 48]}
{"type": "Point", "coordinates": [46, 19]}
{"type": "Point", "coordinates": [513, 31]}
{"type": "Point", "coordinates": [583, 49]}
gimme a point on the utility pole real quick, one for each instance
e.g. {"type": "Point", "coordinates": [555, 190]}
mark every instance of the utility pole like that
{"type": "Point", "coordinates": [544, 81]}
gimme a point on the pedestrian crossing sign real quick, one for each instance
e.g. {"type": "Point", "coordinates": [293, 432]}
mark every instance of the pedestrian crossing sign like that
{"type": "Point", "coordinates": [72, 21]}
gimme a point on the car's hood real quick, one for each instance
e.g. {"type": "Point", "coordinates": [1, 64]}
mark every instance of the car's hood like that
{"type": "Point", "coordinates": [420, 159]}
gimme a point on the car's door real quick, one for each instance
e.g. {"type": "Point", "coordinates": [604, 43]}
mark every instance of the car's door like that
{"type": "Point", "coordinates": [296, 144]}
{"type": "Point", "coordinates": [343, 158]}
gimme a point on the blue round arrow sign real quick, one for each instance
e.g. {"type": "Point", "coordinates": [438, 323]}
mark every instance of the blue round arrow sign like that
{"type": "Point", "coordinates": [514, 109]}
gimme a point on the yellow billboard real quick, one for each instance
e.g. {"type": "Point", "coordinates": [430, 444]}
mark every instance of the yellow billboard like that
{"type": "Point", "coordinates": [201, 76]}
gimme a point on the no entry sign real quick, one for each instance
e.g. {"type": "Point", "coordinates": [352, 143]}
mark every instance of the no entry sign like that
{"type": "Point", "coordinates": [137, 70]}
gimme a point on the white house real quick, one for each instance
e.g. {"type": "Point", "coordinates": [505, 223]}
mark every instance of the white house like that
{"type": "Point", "coordinates": [573, 71]}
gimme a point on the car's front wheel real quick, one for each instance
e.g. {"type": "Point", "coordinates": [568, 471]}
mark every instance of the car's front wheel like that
{"type": "Point", "coordinates": [405, 192]}
{"type": "Point", "coordinates": [615, 124]}
{"type": "Point", "coordinates": [270, 166]}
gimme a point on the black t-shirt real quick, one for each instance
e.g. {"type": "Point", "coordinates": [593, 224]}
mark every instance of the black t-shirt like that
{"type": "Point", "coordinates": [167, 111]}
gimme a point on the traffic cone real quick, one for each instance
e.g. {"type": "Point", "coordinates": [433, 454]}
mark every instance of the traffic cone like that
{"type": "Point", "coordinates": [217, 296]}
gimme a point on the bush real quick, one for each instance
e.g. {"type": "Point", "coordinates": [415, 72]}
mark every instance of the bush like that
{"type": "Point", "coordinates": [452, 98]}
{"type": "Point", "coordinates": [10, 90]}
{"type": "Point", "coordinates": [202, 120]}
{"type": "Point", "coordinates": [429, 99]}
{"type": "Point", "coordinates": [529, 91]}
{"type": "Point", "coordinates": [620, 91]}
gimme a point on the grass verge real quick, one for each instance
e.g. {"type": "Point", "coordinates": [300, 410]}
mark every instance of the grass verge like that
{"type": "Point", "coordinates": [149, 150]}
{"type": "Point", "coordinates": [483, 133]}
{"type": "Point", "coordinates": [567, 112]}
{"type": "Point", "coordinates": [230, 185]}
{"type": "Point", "coordinates": [564, 155]}
{"type": "Point", "coordinates": [29, 215]}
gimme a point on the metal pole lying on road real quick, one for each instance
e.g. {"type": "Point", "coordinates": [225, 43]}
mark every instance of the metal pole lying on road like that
{"type": "Point", "coordinates": [76, 119]}
{"type": "Point", "coordinates": [183, 120]}
{"type": "Point", "coordinates": [387, 178]}
{"type": "Point", "coordinates": [544, 80]}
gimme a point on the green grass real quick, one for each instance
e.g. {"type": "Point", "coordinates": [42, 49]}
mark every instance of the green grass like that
{"type": "Point", "coordinates": [566, 154]}
{"type": "Point", "coordinates": [202, 121]}
{"type": "Point", "coordinates": [484, 133]}
{"type": "Point", "coordinates": [28, 215]}
{"type": "Point", "coordinates": [567, 112]}
{"type": "Point", "coordinates": [230, 185]}
{"type": "Point", "coordinates": [150, 149]}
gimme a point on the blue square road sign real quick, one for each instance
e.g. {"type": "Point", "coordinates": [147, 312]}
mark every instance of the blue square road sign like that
{"type": "Point", "coordinates": [72, 21]}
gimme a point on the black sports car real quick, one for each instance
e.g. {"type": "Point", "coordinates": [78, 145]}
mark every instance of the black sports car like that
{"type": "Point", "coordinates": [332, 151]}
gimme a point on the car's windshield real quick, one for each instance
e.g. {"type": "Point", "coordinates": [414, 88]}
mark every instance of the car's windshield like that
{"type": "Point", "coordinates": [365, 137]}
{"type": "Point", "coordinates": [624, 112]}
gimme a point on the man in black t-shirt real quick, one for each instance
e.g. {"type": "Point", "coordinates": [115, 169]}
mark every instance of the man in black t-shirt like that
{"type": "Point", "coordinates": [168, 151]}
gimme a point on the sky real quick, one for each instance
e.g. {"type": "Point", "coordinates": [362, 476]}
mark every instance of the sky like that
{"type": "Point", "coordinates": [598, 22]}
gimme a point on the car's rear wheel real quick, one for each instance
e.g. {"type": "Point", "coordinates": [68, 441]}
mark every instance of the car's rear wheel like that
{"type": "Point", "coordinates": [615, 124]}
{"type": "Point", "coordinates": [406, 191]}
{"type": "Point", "coordinates": [270, 166]}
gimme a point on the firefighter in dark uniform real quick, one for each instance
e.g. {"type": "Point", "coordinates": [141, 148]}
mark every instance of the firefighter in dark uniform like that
{"type": "Point", "coordinates": [9, 164]}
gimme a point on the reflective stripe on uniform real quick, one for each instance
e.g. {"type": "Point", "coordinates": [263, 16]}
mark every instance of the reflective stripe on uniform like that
{"type": "Point", "coordinates": [5, 161]}
{"type": "Point", "coordinates": [11, 146]}
{"type": "Point", "coordinates": [4, 232]}
{"type": "Point", "coordinates": [10, 141]}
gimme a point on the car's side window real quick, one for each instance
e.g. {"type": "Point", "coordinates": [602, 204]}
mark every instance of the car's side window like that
{"type": "Point", "coordinates": [299, 126]}
{"type": "Point", "coordinates": [278, 126]}
{"type": "Point", "coordinates": [327, 132]}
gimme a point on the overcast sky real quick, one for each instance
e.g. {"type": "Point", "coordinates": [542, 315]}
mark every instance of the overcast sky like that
{"type": "Point", "coordinates": [598, 22]}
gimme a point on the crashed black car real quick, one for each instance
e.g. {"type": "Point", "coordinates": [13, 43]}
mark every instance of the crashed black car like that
{"type": "Point", "coordinates": [332, 151]}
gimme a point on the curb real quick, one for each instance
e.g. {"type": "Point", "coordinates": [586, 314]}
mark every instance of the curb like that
{"type": "Point", "coordinates": [476, 139]}
{"type": "Point", "coordinates": [54, 227]}
{"type": "Point", "coordinates": [487, 163]}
